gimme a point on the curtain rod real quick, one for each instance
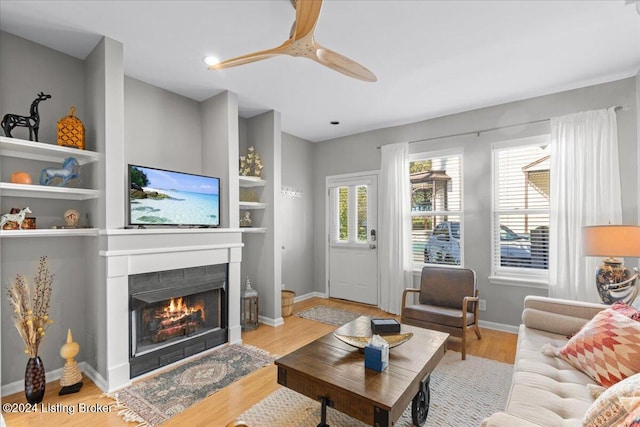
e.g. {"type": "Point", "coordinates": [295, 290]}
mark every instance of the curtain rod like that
{"type": "Point", "coordinates": [478, 132]}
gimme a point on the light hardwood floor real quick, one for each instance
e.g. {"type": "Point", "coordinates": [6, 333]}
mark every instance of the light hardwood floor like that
{"type": "Point", "coordinates": [225, 405]}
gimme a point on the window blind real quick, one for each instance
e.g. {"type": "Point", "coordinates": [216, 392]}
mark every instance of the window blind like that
{"type": "Point", "coordinates": [521, 207]}
{"type": "Point", "coordinates": [436, 204]}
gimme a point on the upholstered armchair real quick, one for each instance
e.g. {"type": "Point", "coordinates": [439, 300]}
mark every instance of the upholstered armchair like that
{"type": "Point", "coordinates": [447, 302]}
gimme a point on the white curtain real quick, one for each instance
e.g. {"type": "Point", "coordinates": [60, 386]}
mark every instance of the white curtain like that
{"type": "Point", "coordinates": [585, 190]}
{"type": "Point", "coordinates": [394, 242]}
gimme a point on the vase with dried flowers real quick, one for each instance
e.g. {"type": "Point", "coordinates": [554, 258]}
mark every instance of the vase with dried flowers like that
{"type": "Point", "coordinates": [31, 317]}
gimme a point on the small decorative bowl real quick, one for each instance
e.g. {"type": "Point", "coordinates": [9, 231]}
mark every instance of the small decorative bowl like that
{"type": "Point", "coordinates": [360, 342]}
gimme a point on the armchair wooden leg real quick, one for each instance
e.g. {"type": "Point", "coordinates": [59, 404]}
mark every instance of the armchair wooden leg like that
{"type": "Point", "coordinates": [476, 329]}
{"type": "Point", "coordinates": [464, 344]}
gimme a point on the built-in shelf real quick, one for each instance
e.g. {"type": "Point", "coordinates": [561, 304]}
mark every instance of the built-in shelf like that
{"type": "Point", "coordinates": [251, 181]}
{"type": "Point", "coordinates": [252, 205]}
{"type": "Point", "coordinates": [30, 150]}
{"type": "Point", "coordinates": [44, 192]}
{"type": "Point", "coordinates": [13, 147]}
{"type": "Point", "coordinates": [254, 230]}
{"type": "Point", "coordinates": [49, 232]}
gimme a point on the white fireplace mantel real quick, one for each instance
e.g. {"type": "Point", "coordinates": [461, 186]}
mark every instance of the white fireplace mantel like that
{"type": "Point", "coordinates": [135, 251]}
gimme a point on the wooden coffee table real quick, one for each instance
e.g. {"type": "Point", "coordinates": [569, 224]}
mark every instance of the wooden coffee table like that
{"type": "Point", "coordinates": [333, 372]}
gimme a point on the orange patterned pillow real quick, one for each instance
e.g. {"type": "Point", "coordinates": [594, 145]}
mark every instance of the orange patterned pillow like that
{"type": "Point", "coordinates": [607, 348]}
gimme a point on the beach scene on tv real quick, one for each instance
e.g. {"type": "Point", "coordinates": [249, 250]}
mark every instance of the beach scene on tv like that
{"type": "Point", "coordinates": [172, 198]}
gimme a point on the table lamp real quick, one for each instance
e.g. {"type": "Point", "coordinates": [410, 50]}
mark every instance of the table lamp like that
{"type": "Point", "coordinates": [614, 281]}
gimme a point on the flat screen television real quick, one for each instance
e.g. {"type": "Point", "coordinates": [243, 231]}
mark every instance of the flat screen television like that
{"type": "Point", "coordinates": [164, 197]}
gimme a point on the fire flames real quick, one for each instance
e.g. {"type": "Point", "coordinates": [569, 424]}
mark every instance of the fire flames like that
{"type": "Point", "coordinates": [177, 318]}
{"type": "Point", "coordinates": [177, 309]}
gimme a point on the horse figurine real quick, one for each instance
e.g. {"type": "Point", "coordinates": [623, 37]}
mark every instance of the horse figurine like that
{"type": "Point", "coordinates": [10, 121]}
{"type": "Point", "coordinates": [67, 173]}
{"type": "Point", "coordinates": [17, 218]}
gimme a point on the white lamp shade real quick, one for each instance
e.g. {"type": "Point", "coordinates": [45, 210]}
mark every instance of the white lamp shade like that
{"type": "Point", "coordinates": [611, 240]}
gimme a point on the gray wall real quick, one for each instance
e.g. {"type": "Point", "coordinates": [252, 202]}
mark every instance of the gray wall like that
{"type": "Point", "coordinates": [638, 138]}
{"type": "Point", "coordinates": [220, 151]}
{"type": "Point", "coordinates": [104, 93]}
{"type": "Point", "coordinates": [262, 254]}
{"type": "Point", "coordinates": [359, 153]}
{"type": "Point", "coordinates": [162, 129]}
{"type": "Point", "coordinates": [27, 68]}
{"type": "Point", "coordinates": [297, 215]}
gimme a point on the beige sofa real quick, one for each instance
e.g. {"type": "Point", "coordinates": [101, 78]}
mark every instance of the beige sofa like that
{"type": "Point", "coordinates": [546, 390]}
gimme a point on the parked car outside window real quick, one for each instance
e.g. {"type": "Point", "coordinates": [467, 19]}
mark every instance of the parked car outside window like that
{"type": "Point", "coordinates": [443, 247]}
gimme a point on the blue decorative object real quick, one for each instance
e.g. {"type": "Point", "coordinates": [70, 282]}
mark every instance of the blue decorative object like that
{"type": "Point", "coordinates": [67, 173]}
{"type": "Point", "coordinates": [376, 358]}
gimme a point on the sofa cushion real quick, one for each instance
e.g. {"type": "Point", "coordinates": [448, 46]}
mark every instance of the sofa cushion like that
{"type": "Point", "coordinates": [609, 409]}
{"type": "Point", "coordinates": [546, 390]}
{"type": "Point", "coordinates": [607, 348]}
{"type": "Point", "coordinates": [552, 322]}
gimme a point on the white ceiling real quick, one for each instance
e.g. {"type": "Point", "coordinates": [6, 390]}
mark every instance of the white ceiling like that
{"type": "Point", "coordinates": [431, 58]}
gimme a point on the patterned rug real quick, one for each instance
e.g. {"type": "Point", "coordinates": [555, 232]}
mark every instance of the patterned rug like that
{"type": "Point", "coordinates": [156, 399]}
{"type": "Point", "coordinates": [332, 316]}
{"type": "Point", "coordinates": [463, 393]}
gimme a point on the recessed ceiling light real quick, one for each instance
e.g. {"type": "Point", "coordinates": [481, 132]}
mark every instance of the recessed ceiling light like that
{"type": "Point", "coordinates": [334, 122]}
{"type": "Point", "coordinates": [210, 60]}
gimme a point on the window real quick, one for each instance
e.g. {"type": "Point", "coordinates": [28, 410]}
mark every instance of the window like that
{"type": "Point", "coordinates": [436, 208]}
{"type": "Point", "coordinates": [521, 207]}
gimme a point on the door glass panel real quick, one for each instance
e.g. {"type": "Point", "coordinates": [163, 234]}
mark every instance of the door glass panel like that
{"type": "Point", "coordinates": [343, 214]}
{"type": "Point", "coordinates": [362, 203]}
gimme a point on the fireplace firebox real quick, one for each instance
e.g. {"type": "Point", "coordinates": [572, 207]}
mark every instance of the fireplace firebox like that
{"type": "Point", "coordinates": [175, 314]}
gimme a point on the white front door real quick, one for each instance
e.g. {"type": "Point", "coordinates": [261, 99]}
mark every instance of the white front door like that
{"type": "Point", "coordinates": [353, 254]}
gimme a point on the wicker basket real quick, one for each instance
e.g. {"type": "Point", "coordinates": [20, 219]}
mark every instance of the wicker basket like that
{"type": "Point", "coordinates": [287, 303]}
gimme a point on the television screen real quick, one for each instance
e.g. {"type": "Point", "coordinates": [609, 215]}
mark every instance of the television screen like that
{"type": "Point", "coordinates": [162, 197]}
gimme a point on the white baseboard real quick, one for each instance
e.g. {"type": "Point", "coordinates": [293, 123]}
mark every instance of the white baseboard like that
{"type": "Point", "coordinates": [94, 376]}
{"type": "Point", "coordinates": [280, 321]}
{"type": "Point", "coordinates": [55, 375]}
{"type": "Point", "coordinates": [309, 296]}
{"type": "Point", "coordinates": [269, 321]}
{"type": "Point", "coordinates": [18, 386]}
{"type": "Point", "coordinates": [499, 326]}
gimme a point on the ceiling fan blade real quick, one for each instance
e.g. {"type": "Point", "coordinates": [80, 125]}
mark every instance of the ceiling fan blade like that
{"type": "Point", "coordinates": [343, 64]}
{"type": "Point", "coordinates": [251, 57]}
{"type": "Point", "coordinates": [307, 13]}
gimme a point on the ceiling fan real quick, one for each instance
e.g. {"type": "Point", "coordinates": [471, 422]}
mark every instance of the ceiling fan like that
{"type": "Point", "coordinates": [637, 2]}
{"type": "Point", "coordinates": [302, 43]}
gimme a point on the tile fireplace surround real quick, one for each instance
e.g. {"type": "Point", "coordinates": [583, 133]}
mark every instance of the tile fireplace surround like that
{"type": "Point", "coordinates": [129, 252]}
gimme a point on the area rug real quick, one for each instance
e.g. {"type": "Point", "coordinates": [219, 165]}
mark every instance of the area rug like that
{"type": "Point", "coordinates": [330, 315]}
{"type": "Point", "coordinates": [463, 393]}
{"type": "Point", "coordinates": [156, 399]}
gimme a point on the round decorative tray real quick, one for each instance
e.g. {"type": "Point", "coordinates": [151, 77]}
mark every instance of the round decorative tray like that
{"type": "Point", "coordinates": [360, 342]}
